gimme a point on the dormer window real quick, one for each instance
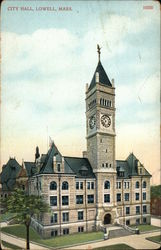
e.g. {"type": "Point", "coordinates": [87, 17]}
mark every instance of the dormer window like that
{"type": "Point", "coordinates": [83, 171]}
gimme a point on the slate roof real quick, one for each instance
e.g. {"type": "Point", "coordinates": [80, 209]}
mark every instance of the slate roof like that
{"type": "Point", "coordinates": [80, 166]}
{"type": "Point", "coordinates": [129, 167]}
{"type": "Point", "coordinates": [30, 168]}
{"type": "Point", "coordinates": [103, 78]}
{"type": "Point", "coordinates": [47, 166]}
{"type": "Point", "coordinates": [72, 165]}
{"type": "Point", "coordinates": [9, 174]}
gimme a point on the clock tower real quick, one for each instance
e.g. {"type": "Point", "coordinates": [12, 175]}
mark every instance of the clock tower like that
{"type": "Point", "coordinates": [100, 121]}
{"type": "Point", "coordinates": [100, 130]}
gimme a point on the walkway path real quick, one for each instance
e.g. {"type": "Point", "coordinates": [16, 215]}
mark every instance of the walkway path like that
{"type": "Point", "coordinates": [20, 242]}
{"type": "Point", "coordinates": [135, 241]}
{"type": "Point", "coordinates": [156, 221]}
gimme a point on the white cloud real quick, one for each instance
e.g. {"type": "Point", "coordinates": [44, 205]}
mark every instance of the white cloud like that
{"type": "Point", "coordinates": [65, 62]}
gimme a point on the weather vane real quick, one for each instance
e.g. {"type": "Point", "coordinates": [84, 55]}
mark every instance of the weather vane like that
{"type": "Point", "coordinates": [99, 51]}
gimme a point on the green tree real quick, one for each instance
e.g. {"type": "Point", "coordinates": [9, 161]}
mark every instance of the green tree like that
{"type": "Point", "coordinates": [25, 207]}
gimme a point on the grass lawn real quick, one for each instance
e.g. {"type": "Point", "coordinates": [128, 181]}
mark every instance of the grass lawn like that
{"type": "Point", "coordinates": [144, 228]}
{"type": "Point", "coordinates": [20, 231]}
{"type": "Point", "coordinates": [155, 238]}
{"type": "Point", "coordinates": [115, 247]}
{"type": "Point", "coordinates": [11, 246]}
{"type": "Point", "coordinates": [6, 216]}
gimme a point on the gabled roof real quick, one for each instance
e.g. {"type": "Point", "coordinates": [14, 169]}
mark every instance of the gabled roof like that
{"type": "Point", "coordinates": [79, 166]}
{"type": "Point", "coordinates": [9, 174]}
{"type": "Point", "coordinates": [103, 78]}
{"type": "Point", "coordinates": [47, 166]}
{"type": "Point", "coordinates": [130, 167]}
{"type": "Point", "coordinates": [30, 168]}
{"type": "Point", "coordinates": [22, 173]}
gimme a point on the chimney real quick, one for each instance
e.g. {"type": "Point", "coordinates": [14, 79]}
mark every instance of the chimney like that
{"type": "Point", "coordinates": [86, 87]}
{"type": "Point", "coordinates": [37, 154]}
{"type": "Point", "coordinates": [113, 82]}
{"type": "Point", "coordinates": [84, 153]}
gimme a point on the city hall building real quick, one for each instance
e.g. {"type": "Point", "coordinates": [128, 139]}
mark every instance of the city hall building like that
{"type": "Point", "coordinates": [88, 193]}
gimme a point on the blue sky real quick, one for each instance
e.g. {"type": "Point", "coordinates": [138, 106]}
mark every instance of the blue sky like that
{"type": "Point", "coordinates": [49, 56]}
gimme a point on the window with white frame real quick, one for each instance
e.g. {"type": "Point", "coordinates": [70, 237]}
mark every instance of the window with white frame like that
{"type": "Point", "coordinates": [79, 185]}
{"type": "Point", "coordinates": [54, 218]}
{"type": "Point", "coordinates": [118, 184]}
{"type": "Point", "coordinates": [144, 196]}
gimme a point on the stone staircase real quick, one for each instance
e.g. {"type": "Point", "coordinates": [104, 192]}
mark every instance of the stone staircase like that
{"type": "Point", "coordinates": [117, 231]}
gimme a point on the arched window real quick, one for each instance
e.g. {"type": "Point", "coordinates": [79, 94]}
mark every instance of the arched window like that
{"type": "Point", "coordinates": [144, 184]}
{"type": "Point", "coordinates": [137, 184]}
{"type": "Point", "coordinates": [53, 185]}
{"type": "Point", "coordinates": [107, 185]}
{"type": "Point", "coordinates": [65, 185]}
{"type": "Point", "coordinates": [101, 101]}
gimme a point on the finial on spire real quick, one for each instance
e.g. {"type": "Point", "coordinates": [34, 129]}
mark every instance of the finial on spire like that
{"type": "Point", "coordinates": [99, 51]}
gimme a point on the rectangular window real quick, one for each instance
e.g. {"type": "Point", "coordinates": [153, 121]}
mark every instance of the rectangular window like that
{"type": "Point", "coordinates": [79, 199]}
{"type": "Point", "coordinates": [80, 229]}
{"type": "Point", "coordinates": [126, 184]}
{"type": "Point", "coordinates": [127, 210]}
{"type": "Point", "coordinates": [118, 184]}
{"type": "Point", "coordinates": [92, 185]}
{"type": "Point", "coordinates": [144, 220]}
{"type": "Point", "coordinates": [80, 215]}
{"type": "Point", "coordinates": [118, 197]}
{"type": "Point", "coordinates": [144, 209]}
{"type": "Point", "coordinates": [66, 231]}
{"type": "Point", "coordinates": [106, 198]}
{"type": "Point", "coordinates": [81, 185]}
{"type": "Point", "coordinates": [53, 200]}
{"type": "Point", "coordinates": [77, 185]}
{"type": "Point", "coordinates": [88, 185]}
{"type": "Point", "coordinates": [58, 167]}
{"type": "Point", "coordinates": [137, 196]}
{"type": "Point", "coordinates": [90, 198]}
{"type": "Point", "coordinates": [65, 217]}
{"type": "Point", "coordinates": [144, 196]}
{"type": "Point", "coordinates": [54, 218]}
{"type": "Point", "coordinates": [54, 233]}
{"type": "Point", "coordinates": [126, 196]}
{"type": "Point", "coordinates": [137, 209]}
{"type": "Point", "coordinates": [65, 200]}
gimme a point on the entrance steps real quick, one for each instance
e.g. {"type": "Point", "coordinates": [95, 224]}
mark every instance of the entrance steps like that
{"type": "Point", "coordinates": [117, 231]}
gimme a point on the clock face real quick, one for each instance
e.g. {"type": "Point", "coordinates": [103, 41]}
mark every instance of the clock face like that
{"type": "Point", "coordinates": [106, 121]}
{"type": "Point", "coordinates": [92, 122]}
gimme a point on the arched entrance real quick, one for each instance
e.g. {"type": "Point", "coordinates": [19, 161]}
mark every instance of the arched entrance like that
{"type": "Point", "coordinates": [107, 219]}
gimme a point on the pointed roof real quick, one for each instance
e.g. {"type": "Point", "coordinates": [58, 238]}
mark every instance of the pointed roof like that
{"type": "Point", "coordinates": [103, 78]}
{"type": "Point", "coordinates": [9, 174]}
{"type": "Point", "coordinates": [130, 167]}
{"type": "Point", "coordinates": [47, 166]}
{"type": "Point", "coordinates": [22, 173]}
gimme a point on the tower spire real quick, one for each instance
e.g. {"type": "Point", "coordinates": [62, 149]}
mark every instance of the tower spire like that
{"type": "Point", "coordinates": [99, 51]}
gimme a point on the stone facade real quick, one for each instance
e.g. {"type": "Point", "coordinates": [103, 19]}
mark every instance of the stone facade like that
{"type": "Point", "coordinates": [87, 193]}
